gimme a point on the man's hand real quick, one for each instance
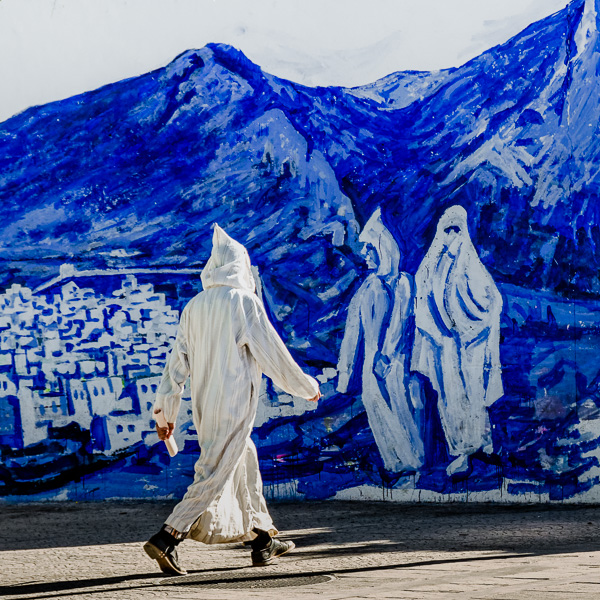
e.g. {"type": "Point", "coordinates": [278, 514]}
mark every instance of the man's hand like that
{"type": "Point", "coordinates": [316, 398]}
{"type": "Point", "coordinates": [164, 433]}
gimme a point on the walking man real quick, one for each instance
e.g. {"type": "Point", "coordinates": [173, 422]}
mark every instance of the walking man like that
{"type": "Point", "coordinates": [224, 343]}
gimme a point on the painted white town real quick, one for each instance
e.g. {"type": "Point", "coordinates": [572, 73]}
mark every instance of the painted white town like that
{"type": "Point", "coordinates": [68, 354]}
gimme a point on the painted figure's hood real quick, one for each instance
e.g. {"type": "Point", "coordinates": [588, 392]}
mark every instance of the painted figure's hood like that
{"type": "Point", "coordinates": [457, 293]}
{"type": "Point", "coordinates": [378, 235]}
{"type": "Point", "coordinates": [229, 264]}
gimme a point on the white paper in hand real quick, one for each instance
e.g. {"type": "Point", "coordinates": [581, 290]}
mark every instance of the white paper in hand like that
{"type": "Point", "coordinates": [170, 443]}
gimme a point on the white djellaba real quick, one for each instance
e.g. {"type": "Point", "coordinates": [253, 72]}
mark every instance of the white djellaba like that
{"type": "Point", "coordinates": [224, 343]}
{"type": "Point", "coordinates": [457, 338]}
{"type": "Point", "coordinates": [376, 330]}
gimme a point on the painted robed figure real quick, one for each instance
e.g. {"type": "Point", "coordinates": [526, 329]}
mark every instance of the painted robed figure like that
{"type": "Point", "coordinates": [457, 338]}
{"type": "Point", "coordinates": [378, 333]}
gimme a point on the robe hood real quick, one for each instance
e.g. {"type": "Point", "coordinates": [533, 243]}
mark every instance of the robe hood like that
{"type": "Point", "coordinates": [378, 235]}
{"type": "Point", "coordinates": [229, 264]}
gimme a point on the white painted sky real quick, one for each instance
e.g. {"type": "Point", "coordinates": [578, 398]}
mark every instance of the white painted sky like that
{"type": "Point", "coordinates": [53, 49]}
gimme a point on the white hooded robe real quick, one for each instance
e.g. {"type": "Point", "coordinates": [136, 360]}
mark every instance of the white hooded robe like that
{"type": "Point", "coordinates": [224, 343]}
{"type": "Point", "coordinates": [457, 338]}
{"type": "Point", "coordinates": [375, 329]}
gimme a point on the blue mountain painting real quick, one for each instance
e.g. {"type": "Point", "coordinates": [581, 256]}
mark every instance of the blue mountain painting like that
{"type": "Point", "coordinates": [106, 203]}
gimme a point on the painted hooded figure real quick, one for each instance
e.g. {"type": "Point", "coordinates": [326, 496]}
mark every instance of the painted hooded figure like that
{"type": "Point", "coordinates": [224, 343]}
{"type": "Point", "coordinates": [378, 333]}
{"type": "Point", "coordinates": [457, 338]}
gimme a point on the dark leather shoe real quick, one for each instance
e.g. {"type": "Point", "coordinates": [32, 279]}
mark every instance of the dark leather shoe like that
{"type": "Point", "coordinates": [261, 558]}
{"type": "Point", "coordinates": [165, 554]}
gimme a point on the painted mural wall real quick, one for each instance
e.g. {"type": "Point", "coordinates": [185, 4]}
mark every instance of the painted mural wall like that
{"type": "Point", "coordinates": [428, 246]}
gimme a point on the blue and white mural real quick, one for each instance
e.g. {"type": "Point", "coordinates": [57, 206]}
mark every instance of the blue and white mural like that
{"type": "Point", "coordinates": [427, 246]}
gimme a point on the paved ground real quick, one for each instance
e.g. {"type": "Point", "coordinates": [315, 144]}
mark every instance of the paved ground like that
{"type": "Point", "coordinates": [344, 551]}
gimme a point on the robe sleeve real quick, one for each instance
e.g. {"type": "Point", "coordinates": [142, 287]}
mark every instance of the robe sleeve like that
{"type": "Point", "coordinates": [396, 336]}
{"type": "Point", "coordinates": [269, 351]}
{"type": "Point", "coordinates": [170, 390]}
{"type": "Point", "coordinates": [353, 336]}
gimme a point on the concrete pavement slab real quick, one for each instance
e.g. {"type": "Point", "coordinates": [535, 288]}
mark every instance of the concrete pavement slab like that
{"type": "Point", "coordinates": [345, 550]}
